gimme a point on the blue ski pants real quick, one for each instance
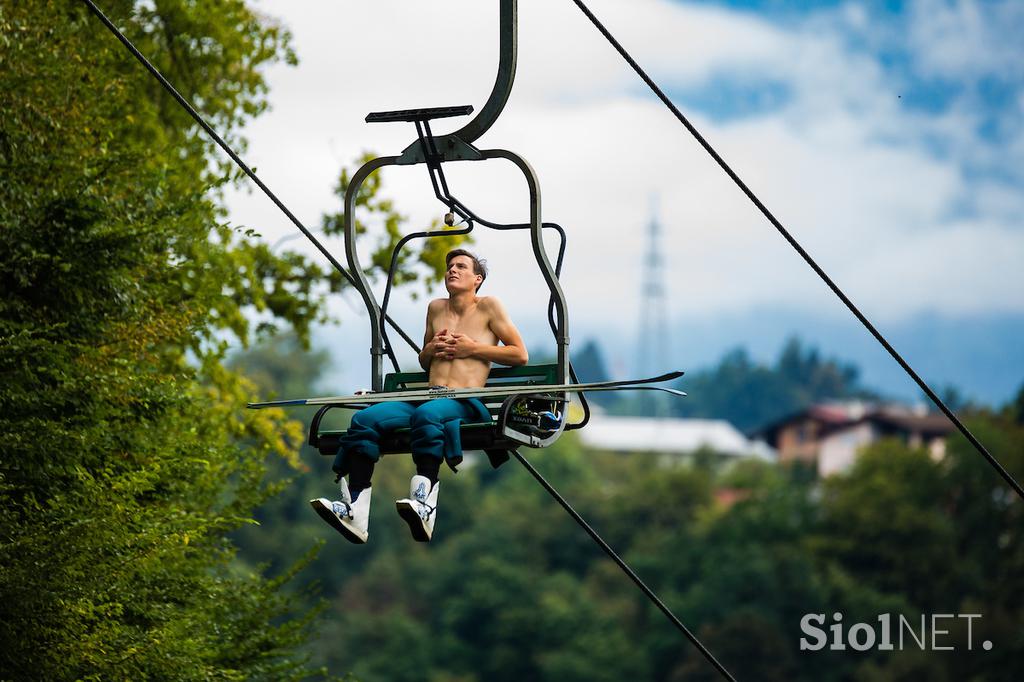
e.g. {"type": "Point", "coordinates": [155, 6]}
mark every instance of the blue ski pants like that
{"type": "Point", "coordinates": [434, 429]}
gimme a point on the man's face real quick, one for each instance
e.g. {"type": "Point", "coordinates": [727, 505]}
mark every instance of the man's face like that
{"type": "Point", "coordinates": [460, 276]}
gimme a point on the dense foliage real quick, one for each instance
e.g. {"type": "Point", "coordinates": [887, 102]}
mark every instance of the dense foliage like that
{"type": "Point", "coordinates": [128, 456]}
{"type": "Point", "coordinates": [746, 393]}
{"type": "Point", "coordinates": [123, 467]}
{"type": "Point", "coordinates": [512, 589]}
{"type": "Point", "coordinates": [750, 395]}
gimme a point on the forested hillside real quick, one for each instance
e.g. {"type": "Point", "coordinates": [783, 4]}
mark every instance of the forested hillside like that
{"type": "Point", "coordinates": [511, 589]}
{"type": "Point", "coordinates": [746, 393]}
{"type": "Point", "coordinates": [750, 395]}
{"type": "Point", "coordinates": [128, 457]}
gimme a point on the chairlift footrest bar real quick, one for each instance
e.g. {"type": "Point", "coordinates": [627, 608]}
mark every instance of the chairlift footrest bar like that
{"type": "Point", "coordinates": [413, 115]}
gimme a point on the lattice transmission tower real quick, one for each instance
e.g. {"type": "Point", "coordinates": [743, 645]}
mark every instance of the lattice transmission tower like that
{"type": "Point", "coordinates": [653, 342]}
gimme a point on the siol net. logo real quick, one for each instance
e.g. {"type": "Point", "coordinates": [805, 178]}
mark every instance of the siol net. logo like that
{"type": "Point", "coordinates": [934, 632]}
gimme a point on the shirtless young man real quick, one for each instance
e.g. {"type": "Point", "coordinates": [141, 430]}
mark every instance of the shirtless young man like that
{"type": "Point", "coordinates": [465, 334]}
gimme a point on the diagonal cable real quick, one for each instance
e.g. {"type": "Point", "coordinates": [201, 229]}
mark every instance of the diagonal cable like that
{"type": "Point", "coordinates": [230, 152]}
{"type": "Point", "coordinates": [799, 249]}
{"type": "Point", "coordinates": [623, 565]}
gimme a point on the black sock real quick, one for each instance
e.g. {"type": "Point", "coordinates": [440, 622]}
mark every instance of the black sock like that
{"type": "Point", "coordinates": [360, 472]}
{"type": "Point", "coordinates": [429, 466]}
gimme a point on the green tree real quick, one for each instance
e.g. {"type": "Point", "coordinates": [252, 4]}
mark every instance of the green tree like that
{"type": "Point", "coordinates": [122, 470]}
{"type": "Point", "coordinates": [750, 394]}
{"type": "Point", "coordinates": [1015, 409]}
{"type": "Point", "coordinates": [944, 535]}
{"type": "Point", "coordinates": [989, 525]}
{"type": "Point", "coordinates": [738, 390]}
{"type": "Point", "coordinates": [128, 456]}
{"type": "Point", "coordinates": [886, 522]}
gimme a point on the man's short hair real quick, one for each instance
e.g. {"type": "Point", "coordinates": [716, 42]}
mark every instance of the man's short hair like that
{"type": "Point", "coordinates": [479, 264]}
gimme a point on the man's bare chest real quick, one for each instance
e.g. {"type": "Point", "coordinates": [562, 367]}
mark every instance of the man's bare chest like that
{"type": "Point", "coordinates": [472, 323]}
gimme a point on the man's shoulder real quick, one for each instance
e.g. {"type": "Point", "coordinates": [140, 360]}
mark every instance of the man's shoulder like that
{"type": "Point", "coordinates": [489, 304]}
{"type": "Point", "coordinates": [437, 304]}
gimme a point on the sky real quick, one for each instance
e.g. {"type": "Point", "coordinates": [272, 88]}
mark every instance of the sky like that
{"type": "Point", "coordinates": [888, 137]}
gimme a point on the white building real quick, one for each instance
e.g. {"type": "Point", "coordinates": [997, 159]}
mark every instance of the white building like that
{"type": "Point", "coordinates": [670, 436]}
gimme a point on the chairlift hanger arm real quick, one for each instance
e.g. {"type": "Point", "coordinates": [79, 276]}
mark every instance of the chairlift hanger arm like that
{"type": "Point", "coordinates": [458, 146]}
{"type": "Point", "coordinates": [507, 49]}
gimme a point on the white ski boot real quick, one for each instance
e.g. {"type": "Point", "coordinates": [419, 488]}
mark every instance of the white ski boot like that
{"type": "Point", "coordinates": [420, 509]}
{"type": "Point", "coordinates": [349, 518]}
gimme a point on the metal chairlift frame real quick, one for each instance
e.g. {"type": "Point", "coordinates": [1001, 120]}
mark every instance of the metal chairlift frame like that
{"type": "Point", "coordinates": [433, 151]}
{"type": "Point", "coordinates": [457, 146]}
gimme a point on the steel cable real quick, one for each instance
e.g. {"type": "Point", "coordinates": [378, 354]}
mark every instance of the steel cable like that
{"type": "Point", "coordinates": [799, 249]}
{"type": "Point", "coordinates": [623, 565]}
{"type": "Point", "coordinates": [229, 151]}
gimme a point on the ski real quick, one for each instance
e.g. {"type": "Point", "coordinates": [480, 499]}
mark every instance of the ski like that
{"type": "Point", "coordinates": [485, 392]}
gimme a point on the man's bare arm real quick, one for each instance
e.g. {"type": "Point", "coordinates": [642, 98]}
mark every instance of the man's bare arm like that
{"type": "Point", "coordinates": [432, 343]}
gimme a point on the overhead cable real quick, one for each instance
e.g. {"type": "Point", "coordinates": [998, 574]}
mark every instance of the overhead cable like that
{"type": "Point", "coordinates": [799, 249]}
{"type": "Point", "coordinates": [230, 152]}
{"type": "Point", "coordinates": [623, 565]}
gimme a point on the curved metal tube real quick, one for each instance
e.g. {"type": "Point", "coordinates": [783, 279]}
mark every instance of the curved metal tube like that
{"type": "Point", "coordinates": [540, 253]}
{"type": "Point", "coordinates": [536, 238]}
{"type": "Point", "coordinates": [457, 146]}
{"type": "Point", "coordinates": [376, 342]}
{"type": "Point", "coordinates": [503, 83]}
{"type": "Point", "coordinates": [391, 274]}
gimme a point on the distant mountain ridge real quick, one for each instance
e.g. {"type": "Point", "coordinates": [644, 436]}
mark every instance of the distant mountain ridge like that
{"type": "Point", "coordinates": [979, 355]}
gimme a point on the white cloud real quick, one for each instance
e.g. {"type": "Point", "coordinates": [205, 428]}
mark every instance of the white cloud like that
{"type": "Point", "coordinates": [911, 282]}
{"type": "Point", "coordinates": [841, 163]}
{"type": "Point", "coordinates": [966, 38]}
